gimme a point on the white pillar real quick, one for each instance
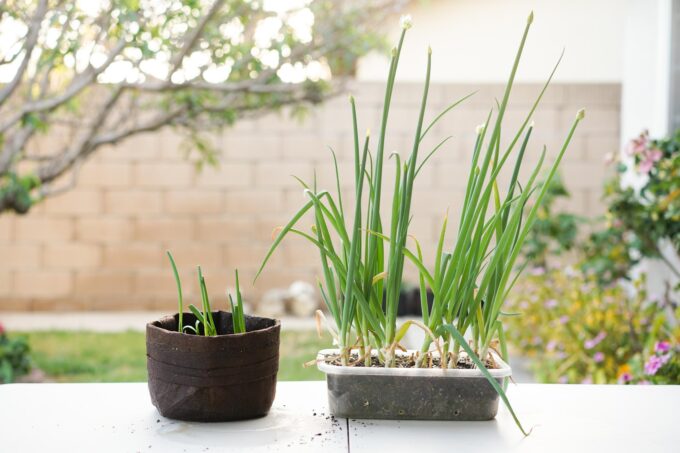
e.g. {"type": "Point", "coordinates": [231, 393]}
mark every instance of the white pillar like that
{"type": "Point", "coordinates": [646, 68]}
{"type": "Point", "coordinates": [645, 102]}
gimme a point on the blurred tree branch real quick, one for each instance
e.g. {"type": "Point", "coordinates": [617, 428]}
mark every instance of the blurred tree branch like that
{"type": "Point", "coordinates": [100, 72]}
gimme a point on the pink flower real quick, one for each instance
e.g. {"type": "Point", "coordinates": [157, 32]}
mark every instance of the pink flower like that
{"type": "Point", "coordinates": [653, 365]}
{"type": "Point", "coordinates": [551, 346]}
{"type": "Point", "coordinates": [538, 271]}
{"type": "Point", "coordinates": [660, 346]}
{"type": "Point", "coordinates": [638, 145]}
{"type": "Point", "coordinates": [644, 382]}
{"type": "Point", "coordinates": [654, 154]}
{"type": "Point", "coordinates": [587, 380]}
{"type": "Point", "coordinates": [2, 329]}
{"type": "Point", "coordinates": [645, 166]}
{"type": "Point", "coordinates": [552, 303]}
{"type": "Point", "coordinates": [590, 344]}
{"type": "Point", "coordinates": [564, 319]}
{"type": "Point", "coordinates": [598, 357]}
{"type": "Point", "coordinates": [625, 378]}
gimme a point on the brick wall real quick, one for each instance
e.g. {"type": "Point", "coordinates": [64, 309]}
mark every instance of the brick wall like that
{"type": "Point", "coordinates": [101, 246]}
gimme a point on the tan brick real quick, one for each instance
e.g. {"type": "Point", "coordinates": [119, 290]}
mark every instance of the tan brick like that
{"type": "Point", "coordinates": [14, 303]}
{"type": "Point", "coordinates": [165, 303]}
{"type": "Point", "coordinates": [305, 146]}
{"type": "Point", "coordinates": [6, 227]}
{"type": "Point", "coordinates": [546, 120]}
{"type": "Point", "coordinates": [19, 256]}
{"type": "Point", "coordinates": [224, 230]}
{"type": "Point", "coordinates": [63, 303]}
{"type": "Point", "coordinates": [226, 174]}
{"type": "Point", "coordinates": [325, 175]}
{"type": "Point", "coordinates": [253, 201]}
{"type": "Point", "coordinates": [105, 174]}
{"type": "Point", "coordinates": [526, 94]}
{"type": "Point", "coordinates": [280, 174]}
{"type": "Point", "coordinates": [597, 119]}
{"type": "Point", "coordinates": [276, 277]}
{"type": "Point", "coordinates": [436, 203]}
{"type": "Point", "coordinates": [164, 229]}
{"type": "Point", "coordinates": [585, 175]}
{"type": "Point", "coordinates": [80, 201]}
{"type": "Point", "coordinates": [194, 202]}
{"type": "Point", "coordinates": [482, 95]}
{"type": "Point", "coordinates": [295, 251]}
{"type": "Point", "coordinates": [133, 256]}
{"type": "Point", "coordinates": [136, 148]}
{"type": "Point", "coordinates": [599, 147]}
{"type": "Point", "coordinates": [109, 302]}
{"type": "Point", "coordinates": [452, 176]}
{"type": "Point", "coordinates": [596, 206]}
{"type": "Point", "coordinates": [240, 255]}
{"type": "Point", "coordinates": [72, 255]}
{"type": "Point", "coordinates": [264, 229]}
{"type": "Point", "coordinates": [283, 121]}
{"type": "Point", "coordinates": [156, 283]}
{"type": "Point", "coordinates": [107, 230]}
{"type": "Point", "coordinates": [103, 282]}
{"type": "Point", "coordinates": [336, 118]}
{"type": "Point", "coordinates": [576, 203]}
{"type": "Point", "coordinates": [217, 280]}
{"type": "Point", "coordinates": [250, 147]}
{"type": "Point", "coordinates": [410, 94]}
{"type": "Point", "coordinates": [42, 283]}
{"type": "Point", "coordinates": [41, 229]}
{"type": "Point", "coordinates": [5, 285]}
{"type": "Point", "coordinates": [133, 202]}
{"type": "Point", "coordinates": [164, 174]}
{"type": "Point", "coordinates": [192, 254]}
{"type": "Point", "coordinates": [172, 144]}
{"type": "Point", "coordinates": [588, 95]}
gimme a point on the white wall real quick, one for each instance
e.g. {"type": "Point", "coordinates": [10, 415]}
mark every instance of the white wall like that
{"type": "Point", "coordinates": [476, 40]}
{"type": "Point", "coordinates": [646, 68]}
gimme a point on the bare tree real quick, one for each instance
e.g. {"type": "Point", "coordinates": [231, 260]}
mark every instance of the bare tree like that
{"type": "Point", "coordinates": [103, 71]}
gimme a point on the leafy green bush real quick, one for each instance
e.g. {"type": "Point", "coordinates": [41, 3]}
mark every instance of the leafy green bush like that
{"type": "Point", "coordinates": [13, 357]}
{"type": "Point", "coordinates": [639, 218]}
{"type": "Point", "coordinates": [658, 200]}
{"type": "Point", "coordinates": [580, 331]}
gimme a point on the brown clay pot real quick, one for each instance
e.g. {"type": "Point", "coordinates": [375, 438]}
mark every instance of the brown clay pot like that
{"type": "Point", "coordinates": [213, 379]}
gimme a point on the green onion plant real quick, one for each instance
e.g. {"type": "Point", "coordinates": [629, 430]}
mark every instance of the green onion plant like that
{"type": "Point", "coordinates": [361, 276]}
{"type": "Point", "coordinates": [238, 320]}
{"type": "Point", "coordinates": [205, 323]}
{"type": "Point", "coordinates": [363, 255]}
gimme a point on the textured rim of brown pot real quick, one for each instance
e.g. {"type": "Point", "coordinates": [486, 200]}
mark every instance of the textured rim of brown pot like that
{"type": "Point", "coordinates": [221, 378]}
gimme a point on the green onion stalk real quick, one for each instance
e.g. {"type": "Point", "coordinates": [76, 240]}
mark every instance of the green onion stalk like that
{"type": "Point", "coordinates": [362, 265]}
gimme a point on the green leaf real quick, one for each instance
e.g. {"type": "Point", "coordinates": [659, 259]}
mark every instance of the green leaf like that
{"type": "Point", "coordinates": [463, 343]}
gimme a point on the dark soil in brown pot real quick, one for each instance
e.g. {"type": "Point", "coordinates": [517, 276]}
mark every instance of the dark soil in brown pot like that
{"type": "Point", "coordinates": [213, 379]}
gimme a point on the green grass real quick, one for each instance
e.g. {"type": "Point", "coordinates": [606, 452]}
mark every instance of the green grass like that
{"type": "Point", "coordinates": [121, 357]}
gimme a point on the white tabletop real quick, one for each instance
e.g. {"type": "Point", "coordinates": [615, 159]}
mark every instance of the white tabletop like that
{"type": "Point", "coordinates": [120, 418]}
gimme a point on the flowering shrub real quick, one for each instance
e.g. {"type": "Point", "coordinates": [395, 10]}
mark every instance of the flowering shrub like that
{"type": "Point", "coordinates": [651, 213]}
{"type": "Point", "coordinates": [657, 365]}
{"type": "Point", "coordinates": [13, 357]}
{"type": "Point", "coordinates": [579, 331]}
